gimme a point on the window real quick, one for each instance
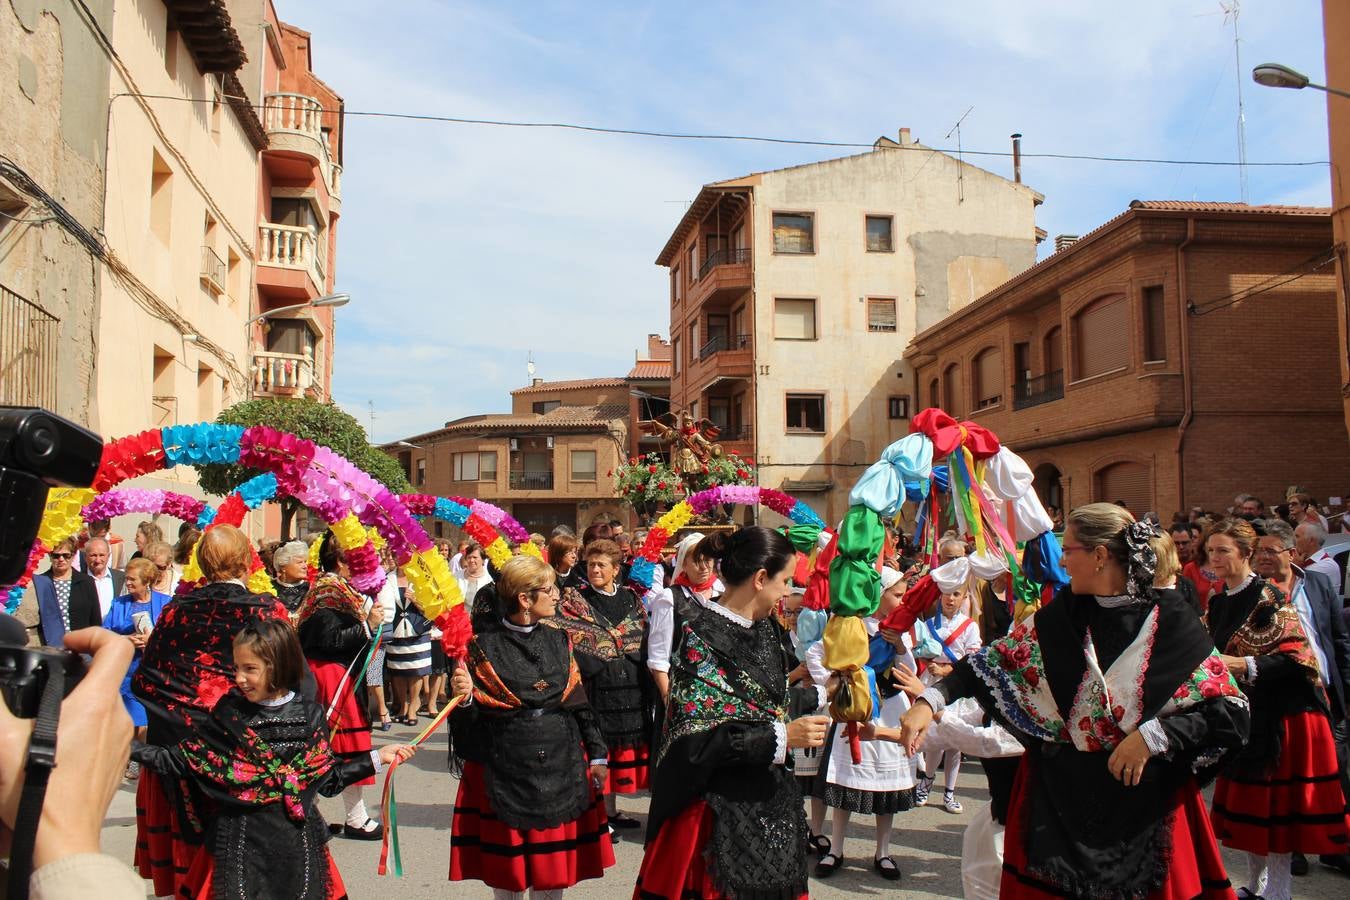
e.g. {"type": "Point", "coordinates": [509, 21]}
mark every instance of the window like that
{"type": "Point", "coordinates": [693, 341]}
{"type": "Point", "coordinates": [951, 389]}
{"type": "Point", "coordinates": [881, 314]}
{"type": "Point", "coordinates": [1155, 325]}
{"type": "Point", "coordinates": [988, 372]}
{"type": "Point", "coordinates": [294, 211]}
{"type": "Point", "coordinates": [806, 413]}
{"type": "Point", "coordinates": [466, 466]}
{"type": "Point", "coordinates": [879, 234]}
{"type": "Point", "coordinates": [897, 407]}
{"type": "Point", "coordinates": [544, 406]}
{"type": "Point", "coordinates": [691, 265]}
{"type": "Point", "coordinates": [934, 395]}
{"type": "Point", "coordinates": [421, 472]}
{"type": "Point", "coordinates": [487, 465]}
{"type": "Point", "coordinates": [1021, 362]}
{"type": "Point", "coordinates": [1131, 482]}
{"type": "Point", "coordinates": [793, 233]}
{"type": "Point", "coordinates": [171, 52]}
{"type": "Point", "coordinates": [676, 286]}
{"type": "Point", "coordinates": [234, 274]}
{"type": "Point", "coordinates": [583, 465]}
{"type": "Point", "coordinates": [794, 320]}
{"type": "Point", "coordinates": [1102, 337]}
{"type": "Point", "coordinates": [11, 208]}
{"type": "Point", "coordinates": [1054, 350]}
{"type": "Point", "coordinates": [164, 395]}
{"type": "Point", "coordinates": [207, 401]}
{"type": "Point", "coordinates": [161, 197]}
{"type": "Point", "coordinates": [675, 357]}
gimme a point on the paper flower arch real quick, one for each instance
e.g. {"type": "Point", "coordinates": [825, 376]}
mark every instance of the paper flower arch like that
{"type": "Point", "coordinates": [343, 495]}
{"type": "Point", "coordinates": [487, 524]}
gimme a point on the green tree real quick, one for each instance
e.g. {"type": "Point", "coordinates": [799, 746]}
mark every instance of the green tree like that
{"type": "Point", "coordinates": [322, 423]}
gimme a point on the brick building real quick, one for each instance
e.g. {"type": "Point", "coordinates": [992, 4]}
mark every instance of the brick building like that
{"type": "Point", "coordinates": [648, 392]}
{"type": "Point", "coordinates": [550, 461]}
{"type": "Point", "coordinates": [1178, 354]}
{"type": "Point", "coordinates": [793, 293]}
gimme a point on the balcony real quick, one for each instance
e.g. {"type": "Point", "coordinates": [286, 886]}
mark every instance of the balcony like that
{"type": "Point", "coordinates": [284, 374]}
{"type": "Point", "coordinates": [531, 481]}
{"type": "Point", "coordinates": [28, 352]}
{"type": "Point", "coordinates": [213, 272]}
{"type": "Point", "coordinates": [724, 342]}
{"type": "Point", "coordinates": [294, 124]}
{"type": "Point", "coordinates": [291, 247]}
{"type": "Point", "coordinates": [725, 275]}
{"type": "Point", "coordinates": [1035, 391]}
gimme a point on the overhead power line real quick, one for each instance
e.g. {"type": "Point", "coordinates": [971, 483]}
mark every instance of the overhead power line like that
{"type": "Point", "coordinates": [750, 138]}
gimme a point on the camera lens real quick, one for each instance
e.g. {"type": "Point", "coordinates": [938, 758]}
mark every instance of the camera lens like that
{"type": "Point", "coordinates": [42, 441]}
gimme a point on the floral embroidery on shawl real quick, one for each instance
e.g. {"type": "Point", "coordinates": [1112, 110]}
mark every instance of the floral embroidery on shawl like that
{"type": "Point", "coordinates": [1274, 627]}
{"type": "Point", "coordinates": [255, 773]}
{"type": "Point", "coordinates": [593, 638]}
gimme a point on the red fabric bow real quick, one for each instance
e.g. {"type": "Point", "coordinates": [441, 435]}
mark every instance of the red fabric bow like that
{"type": "Point", "coordinates": [923, 594]}
{"type": "Point", "coordinates": [818, 585]}
{"type": "Point", "coordinates": [947, 434]}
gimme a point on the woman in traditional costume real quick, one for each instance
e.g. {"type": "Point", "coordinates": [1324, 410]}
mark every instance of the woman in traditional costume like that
{"type": "Point", "coordinates": [1125, 709]}
{"type": "Point", "coordinates": [607, 624]}
{"type": "Point", "coordinates": [528, 815]}
{"type": "Point", "coordinates": [1281, 794]}
{"type": "Point", "coordinates": [726, 814]}
{"type": "Point", "coordinates": [187, 666]}
{"type": "Point", "coordinates": [694, 578]}
{"type": "Point", "coordinates": [882, 782]}
{"type": "Point", "coordinates": [261, 760]}
{"type": "Point", "coordinates": [335, 623]}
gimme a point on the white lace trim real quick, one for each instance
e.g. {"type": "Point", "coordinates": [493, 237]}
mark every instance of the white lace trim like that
{"type": "Point", "coordinates": [726, 613]}
{"type": "Point", "coordinates": [1251, 576]}
{"type": "Point", "coordinates": [278, 701]}
{"type": "Point", "coordinates": [523, 629]}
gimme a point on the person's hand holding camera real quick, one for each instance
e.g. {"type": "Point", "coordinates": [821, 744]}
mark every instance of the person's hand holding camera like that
{"type": "Point", "coordinates": [93, 743]}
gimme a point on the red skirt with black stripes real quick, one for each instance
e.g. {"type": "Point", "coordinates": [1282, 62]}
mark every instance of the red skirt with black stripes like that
{"type": "Point", "coordinates": [628, 769]}
{"type": "Point", "coordinates": [484, 848]}
{"type": "Point", "coordinates": [351, 740]}
{"type": "Point", "coordinates": [1298, 808]}
{"type": "Point", "coordinates": [162, 856]}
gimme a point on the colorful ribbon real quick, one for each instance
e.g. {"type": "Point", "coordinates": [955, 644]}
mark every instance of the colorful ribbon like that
{"type": "Point", "coordinates": [389, 801]}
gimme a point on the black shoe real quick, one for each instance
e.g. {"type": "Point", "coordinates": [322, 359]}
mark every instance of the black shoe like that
{"type": "Point", "coordinates": [887, 868]}
{"type": "Point", "coordinates": [828, 865]}
{"type": "Point", "coordinates": [1299, 865]}
{"type": "Point", "coordinates": [819, 844]}
{"type": "Point", "coordinates": [364, 834]}
{"type": "Point", "coordinates": [335, 828]}
{"type": "Point", "coordinates": [619, 820]}
{"type": "Point", "coordinates": [1340, 862]}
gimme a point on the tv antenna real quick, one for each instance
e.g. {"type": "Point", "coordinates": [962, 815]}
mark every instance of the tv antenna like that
{"type": "Point", "coordinates": [1232, 9]}
{"type": "Point", "coordinates": [371, 404]}
{"type": "Point", "coordinates": [960, 168]}
{"type": "Point", "coordinates": [529, 368]}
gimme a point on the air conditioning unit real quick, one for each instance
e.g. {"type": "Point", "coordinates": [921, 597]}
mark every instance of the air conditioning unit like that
{"type": "Point", "coordinates": [515, 444]}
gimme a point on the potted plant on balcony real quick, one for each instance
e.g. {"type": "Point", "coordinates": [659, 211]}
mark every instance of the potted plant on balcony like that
{"type": "Point", "coordinates": [647, 482]}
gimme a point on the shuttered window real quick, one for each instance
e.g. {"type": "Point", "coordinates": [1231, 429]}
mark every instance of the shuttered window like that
{"type": "Point", "coordinates": [793, 233]}
{"type": "Point", "coordinates": [951, 390]}
{"type": "Point", "coordinates": [794, 320]}
{"type": "Point", "coordinates": [1102, 337]}
{"type": "Point", "coordinates": [881, 314]}
{"type": "Point", "coordinates": [1155, 325]}
{"type": "Point", "coordinates": [1054, 350]}
{"type": "Point", "coordinates": [989, 378]}
{"type": "Point", "coordinates": [1131, 482]}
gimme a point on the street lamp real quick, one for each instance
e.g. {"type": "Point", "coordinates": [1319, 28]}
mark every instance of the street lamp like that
{"type": "Point", "coordinates": [1276, 75]}
{"type": "Point", "coordinates": [329, 300]}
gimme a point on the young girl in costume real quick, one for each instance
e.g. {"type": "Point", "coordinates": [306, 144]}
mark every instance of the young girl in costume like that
{"type": "Point", "coordinates": [882, 784]}
{"type": "Point", "coordinates": [959, 637]}
{"type": "Point", "coordinates": [256, 767]}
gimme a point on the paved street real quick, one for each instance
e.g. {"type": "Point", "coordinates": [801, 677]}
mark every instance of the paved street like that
{"type": "Point", "coordinates": [927, 844]}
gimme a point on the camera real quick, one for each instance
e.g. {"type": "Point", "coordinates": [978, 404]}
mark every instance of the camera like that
{"type": "Point", "coordinates": [38, 450]}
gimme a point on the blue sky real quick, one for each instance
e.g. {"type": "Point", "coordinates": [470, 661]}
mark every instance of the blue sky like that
{"type": "Point", "coordinates": [468, 247]}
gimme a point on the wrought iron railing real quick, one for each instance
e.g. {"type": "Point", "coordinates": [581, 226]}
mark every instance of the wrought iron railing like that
{"type": "Point", "coordinates": [1035, 391]}
{"type": "Point", "coordinates": [213, 270]}
{"type": "Point", "coordinates": [28, 342]}
{"type": "Point", "coordinates": [532, 481]}
{"type": "Point", "coordinates": [724, 342]}
{"type": "Point", "coordinates": [724, 258]}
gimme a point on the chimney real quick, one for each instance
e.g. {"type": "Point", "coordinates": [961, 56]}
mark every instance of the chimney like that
{"type": "Point", "coordinates": [904, 137]}
{"type": "Point", "coordinates": [1065, 241]}
{"type": "Point", "coordinates": [1017, 158]}
{"type": "Point", "coordinates": [535, 382]}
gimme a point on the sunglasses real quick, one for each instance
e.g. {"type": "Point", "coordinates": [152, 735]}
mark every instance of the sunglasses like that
{"type": "Point", "coordinates": [163, 568]}
{"type": "Point", "coordinates": [62, 555]}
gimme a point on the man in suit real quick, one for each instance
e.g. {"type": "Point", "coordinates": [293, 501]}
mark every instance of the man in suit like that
{"type": "Point", "coordinates": [107, 579]}
{"type": "Point", "coordinates": [67, 600]}
{"type": "Point", "coordinates": [1319, 606]}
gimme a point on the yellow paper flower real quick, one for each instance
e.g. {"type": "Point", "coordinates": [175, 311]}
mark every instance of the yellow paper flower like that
{"type": "Point", "coordinates": [530, 548]}
{"type": "Point", "coordinates": [677, 518]}
{"type": "Point", "coordinates": [431, 583]}
{"type": "Point", "coordinates": [349, 532]}
{"type": "Point", "coordinates": [498, 552]}
{"type": "Point", "coordinates": [259, 583]}
{"type": "Point", "coordinates": [313, 558]}
{"type": "Point", "coordinates": [62, 518]}
{"type": "Point", "coordinates": [192, 572]}
{"type": "Point", "coordinates": [376, 539]}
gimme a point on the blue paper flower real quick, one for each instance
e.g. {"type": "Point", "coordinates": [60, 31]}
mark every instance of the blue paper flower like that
{"type": "Point", "coordinates": [207, 516]}
{"type": "Point", "coordinates": [642, 571]}
{"type": "Point", "coordinates": [205, 442]}
{"type": "Point", "coordinates": [257, 491]}
{"type": "Point", "coordinates": [801, 514]}
{"type": "Point", "coordinates": [451, 511]}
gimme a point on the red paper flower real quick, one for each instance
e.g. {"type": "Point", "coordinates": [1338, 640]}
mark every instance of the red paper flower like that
{"type": "Point", "coordinates": [456, 631]}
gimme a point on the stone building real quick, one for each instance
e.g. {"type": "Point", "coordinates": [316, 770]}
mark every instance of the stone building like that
{"type": "Point", "coordinates": [1179, 354]}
